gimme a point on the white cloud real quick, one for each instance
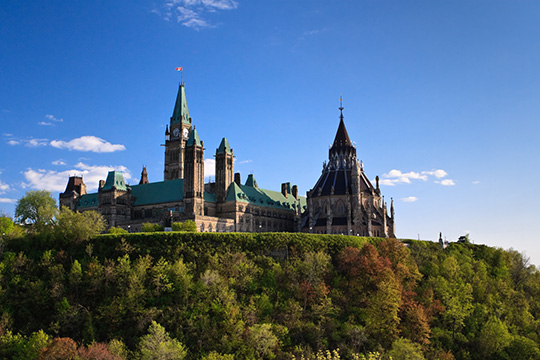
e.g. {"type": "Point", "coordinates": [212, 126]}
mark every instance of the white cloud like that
{"type": "Point", "coordinates": [476, 182]}
{"type": "Point", "coordinates": [13, 142]}
{"type": "Point", "coordinates": [52, 118]}
{"type": "Point", "coordinates": [59, 162]}
{"type": "Point", "coordinates": [397, 177]}
{"type": "Point", "coordinates": [244, 162]}
{"type": "Point", "coordinates": [437, 173]}
{"type": "Point", "coordinates": [36, 142]}
{"type": "Point", "coordinates": [57, 180]}
{"type": "Point", "coordinates": [88, 143]}
{"type": "Point", "coordinates": [192, 13]}
{"type": "Point", "coordinates": [394, 177]}
{"type": "Point", "coordinates": [7, 201]}
{"type": "Point", "coordinates": [4, 187]}
{"type": "Point", "coordinates": [409, 199]}
{"type": "Point", "coordinates": [446, 182]}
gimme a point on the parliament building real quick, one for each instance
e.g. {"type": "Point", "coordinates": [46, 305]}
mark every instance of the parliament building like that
{"type": "Point", "coordinates": [343, 200]}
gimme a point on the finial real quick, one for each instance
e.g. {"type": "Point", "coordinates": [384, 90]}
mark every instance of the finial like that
{"type": "Point", "coordinates": [341, 106]}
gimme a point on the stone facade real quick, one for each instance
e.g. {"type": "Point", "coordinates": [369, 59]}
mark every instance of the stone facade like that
{"type": "Point", "coordinates": [225, 205]}
{"type": "Point", "coordinates": [343, 200]}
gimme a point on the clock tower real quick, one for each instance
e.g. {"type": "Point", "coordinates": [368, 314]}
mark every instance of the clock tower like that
{"type": "Point", "coordinates": [176, 136]}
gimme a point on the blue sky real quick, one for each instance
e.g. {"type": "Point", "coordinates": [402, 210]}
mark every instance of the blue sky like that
{"type": "Point", "coordinates": [441, 98]}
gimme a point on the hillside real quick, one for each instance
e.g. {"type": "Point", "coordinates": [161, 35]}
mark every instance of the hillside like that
{"type": "Point", "coordinates": [265, 296]}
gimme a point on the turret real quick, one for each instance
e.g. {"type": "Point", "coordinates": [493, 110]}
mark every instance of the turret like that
{"type": "Point", "coordinates": [144, 176]}
{"type": "Point", "coordinates": [194, 175]}
{"type": "Point", "coordinates": [224, 169]}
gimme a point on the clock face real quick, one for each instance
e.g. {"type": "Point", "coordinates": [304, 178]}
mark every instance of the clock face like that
{"type": "Point", "coordinates": [185, 133]}
{"type": "Point", "coordinates": [176, 132]}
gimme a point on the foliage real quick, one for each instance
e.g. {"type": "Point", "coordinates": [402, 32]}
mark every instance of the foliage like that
{"type": "Point", "coordinates": [117, 230]}
{"type": "Point", "coordinates": [188, 226]}
{"type": "Point", "coordinates": [265, 296]}
{"type": "Point", "coordinates": [6, 225]}
{"type": "Point", "coordinates": [157, 344]}
{"type": "Point", "coordinates": [404, 349]}
{"type": "Point", "coordinates": [78, 226]}
{"type": "Point", "coordinates": [151, 227]}
{"type": "Point", "coordinates": [37, 208]}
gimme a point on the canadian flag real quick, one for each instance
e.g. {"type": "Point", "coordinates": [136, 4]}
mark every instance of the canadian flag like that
{"type": "Point", "coordinates": [179, 68]}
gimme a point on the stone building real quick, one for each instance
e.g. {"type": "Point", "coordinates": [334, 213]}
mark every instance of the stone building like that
{"type": "Point", "coordinates": [343, 200]}
{"type": "Point", "coordinates": [224, 205]}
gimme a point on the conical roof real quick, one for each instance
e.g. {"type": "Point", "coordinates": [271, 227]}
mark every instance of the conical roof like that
{"type": "Point", "coordinates": [194, 138]}
{"type": "Point", "coordinates": [181, 111]}
{"type": "Point", "coordinates": [224, 147]}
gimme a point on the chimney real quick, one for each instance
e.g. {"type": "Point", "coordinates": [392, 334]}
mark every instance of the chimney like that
{"type": "Point", "coordinates": [237, 179]}
{"type": "Point", "coordinates": [295, 191]}
{"type": "Point", "coordinates": [285, 189]}
{"type": "Point", "coordinates": [101, 184]}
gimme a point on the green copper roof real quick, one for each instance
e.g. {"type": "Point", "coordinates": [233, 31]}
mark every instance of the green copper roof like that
{"type": "Point", "coordinates": [116, 179]}
{"type": "Point", "coordinates": [194, 138]}
{"type": "Point", "coordinates": [181, 111]}
{"type": "Point", "coordinates": [87, 201]}
{"type": "Point", "coordinates": [158, 192]}
{"type": "Point", "coordinates": [264, 198]}
{"type": "Point", "coordinates": [224, 147]}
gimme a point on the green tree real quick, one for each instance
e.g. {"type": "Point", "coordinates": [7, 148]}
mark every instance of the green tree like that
{"type": "Point", "coordinates": [493, 338]}
{"type": "Point", "coordinates": [117, 230]}
{"type": "Point", "coordinates": [158, 345]}
{"type": "Point", "coordinates": [78, 226]}
{"type": "Point", "coordinates": [151, 227]}
{"type": "Point", "coordinates": [6, 225]}
{"type": "Point", "coordinates": [36, 208]}
{"type": "Point", "coordinates": [404, 349]}
{"type": "Point", "coordinates": [187, 226]}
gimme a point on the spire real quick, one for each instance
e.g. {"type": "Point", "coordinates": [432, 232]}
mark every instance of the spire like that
{"type": "Point", "coordinates": [194, 138]}
{"type": "Point", "coordinates": [181, 111]}
{"type": "Point", "coordinates": [144, 176]}
{"type": "Point", "coordinates": [342, 140]}
{"type": "Point", "coordinates": [224, 147]}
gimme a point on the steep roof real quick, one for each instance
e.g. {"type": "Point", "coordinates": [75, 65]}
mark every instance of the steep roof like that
{"type": "Point", "coordinates": [262, 197]}
{"type": "Point", "coordinates": [224, 147]}
{"type": "Point", "coordinates": [116, 179]}
{"type": "Point", "coordinates": [181, 111]}
{"type": "Point", "coordinates": [342, 140]}
{"type": "Point", "coordinates": [87, 201]}
{"type": "Point", "coordinates": [158, 192]}
{"type": "Point", "coordinates": [194, 138]}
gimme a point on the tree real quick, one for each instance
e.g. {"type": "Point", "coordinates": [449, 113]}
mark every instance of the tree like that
{"type": "Point", "coordinates": [117, 230]}
{"type": "Point", "coordinates": [187, 226]}
{"type": "Point", "coordinates": [151, 227]}
{"type": "Point", "coordinates": [79, 226]}
{"type": "Point", "coordinates": [158, 345]}
{"type": "Point", "coordinates": [36, 208]}
{"type": "Point", "coordinates": [6, 225]}
{"type": "Point", "coordinates": [404, 349]}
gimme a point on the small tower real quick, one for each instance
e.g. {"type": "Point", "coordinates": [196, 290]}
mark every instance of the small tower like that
{"type": "Point", "coordinates": [194, 175]}
{"type": "Point", "coordinates": [176, 135]}
{"type": "Point", "coordinates": [224, 169]}
{"type": "Point", "coordinates": [115, 199]}
{"type": "Point", "coordinates": [74, 190]}
{"type": "Point", "coordinates": [144, 176]}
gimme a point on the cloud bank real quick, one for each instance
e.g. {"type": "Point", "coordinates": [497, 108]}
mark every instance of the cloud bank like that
{"type": "Point", "coordinates": [395, 177]}
{"type": "Point", "coordinates": [88, 143]}
{"type": "Point", "coordinates": [57, 180]}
